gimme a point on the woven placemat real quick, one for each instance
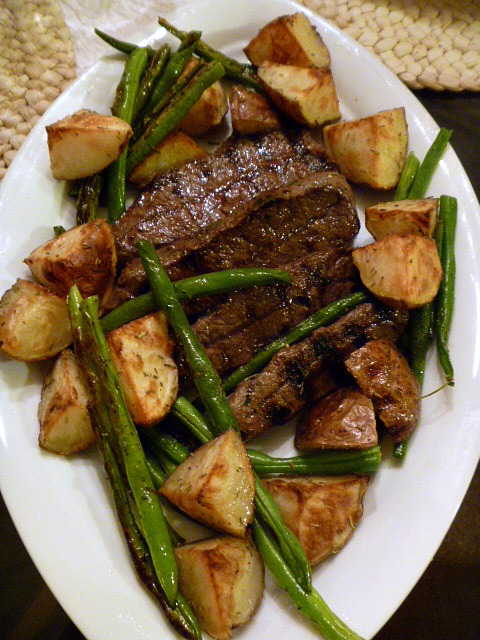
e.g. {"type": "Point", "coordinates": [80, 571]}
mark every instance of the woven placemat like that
{"type": "Point", "coordinates": [432, 44]}
{"type": "Point", "coordinates": [36, 64]}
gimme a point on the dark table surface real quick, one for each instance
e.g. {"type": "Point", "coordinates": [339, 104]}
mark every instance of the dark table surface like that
{"type": "Point", "coordinates": [445, 603]}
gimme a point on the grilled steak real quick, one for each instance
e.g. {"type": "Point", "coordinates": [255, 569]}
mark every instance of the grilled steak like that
{"type": "Point", "coordinates": [186, 208]}
{"type": "Point", "coordinates": [308, 232]}
{"type": "Point", "coordinates": [236, 330]}
{"type": "Point", "coordinates": [295, 375]}
{"type": "Point", "coordinates": [313, 212]}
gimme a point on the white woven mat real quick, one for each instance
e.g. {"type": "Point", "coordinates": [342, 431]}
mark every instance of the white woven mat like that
{"type": "Point", "coordinates": [431, 44]}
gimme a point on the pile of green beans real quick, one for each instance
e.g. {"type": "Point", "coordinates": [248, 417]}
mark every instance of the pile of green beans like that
{"type": "Point", "coordinates": [144, 525]}
{"type": "Point", "coordinates": [433, 320]}
{"type": "Point", "coordinates": [284, 556]}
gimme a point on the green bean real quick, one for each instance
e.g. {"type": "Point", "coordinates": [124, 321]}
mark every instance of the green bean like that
{"type": "Point", "coordinates": [318, 463]}
{"type": "Point", "coordinates": [123, 108]}
{"type": "Point", "coordinates": [408, 177]}
{"type": "Point", "coordinates": [243, 73]}
{"type": "Point", "coordinates": [175, 67]}
{"type": "Point", "coordinates": [446, 295]}
{"type": "Point", "coordinates": [178, 86]}
{"type": "Point", "coordinates": [211, 392]}
{"type": "Point", "coordinates": [191, 418]}
{"type": "Point", "coordinates": [104, 385]}
{"type": "Point", "coordinates": [195, 287]}
{"type": "Point", "coordinates": [429, 164]}
{"type": "Point", "coordinates": [152, 74]}
{"type": "Point", "coordinates": [311, 604]}
{"type": "Point", "coordinates": [172, 115]}
{"type": "Point", "coordinates": [420, 333]}
{"type": "Point", "coordinates": [324, 463]}
{"type": "Point", "coordinates": [180, 616]}
{"type": "Point", "coordinates": [206, 378]}
{"type": "Point", "coordinates": [89, 189]}
{"type": "Point", "coordinates": [319, 319]}
{"type": "Point", "coordinates": [121, 45]}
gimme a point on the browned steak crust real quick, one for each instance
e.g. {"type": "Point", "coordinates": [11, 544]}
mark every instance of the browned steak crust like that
{"type": "Point", "coordinates": [293, 375]}
{"type": "Point", "coordinates": [187, 208]}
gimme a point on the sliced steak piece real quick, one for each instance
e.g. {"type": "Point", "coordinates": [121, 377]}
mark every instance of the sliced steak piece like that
{"type": "Point", "coordinates": [186, 208]}
{"type": "Point", "coordinates": [294, 375]}
{"type": "Point", "coordinates": [236, 330]}
{"type": "Point", "coordinates": [300, 220]}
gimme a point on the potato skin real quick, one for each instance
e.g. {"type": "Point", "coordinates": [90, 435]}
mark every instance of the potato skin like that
{"type": "Point", "coordinates": [321, 511]}
{"type": "Point", "coordinates": [371, 150]}
{"type": "Point", "coordinates": [251, 112]}
{"type": "Point", "coordinates": [65, 425]}
{"type": "Point", "coordinates": [344, 419]}
{"type": "Point", "coordinates": [402, 270]}
{"type": "Point", "coordinates": [84, 255]}
{"type": "Point", "coordinates": [289, 39]}
{"type": "Point", "coordinates": [34, 322]}
{"type": "Point", "coordinates": [223, 580]}
{"type": "Point", "coordinates": [141, 353]}
{"type": "Point", "coordinates": [215, 485]}
{"type": "Point", "coordinates": [207, 112]}
{"type": "Point", "coordinates": [172, 152]}
{"type": "Point", "coordinates": [383, 374]}
{"type": "Point", "coordinates": [403, 216]}
{"type": "Point", "coordinates": [85, 143]}
{"type": "Point", "coordinates": [307, 95]}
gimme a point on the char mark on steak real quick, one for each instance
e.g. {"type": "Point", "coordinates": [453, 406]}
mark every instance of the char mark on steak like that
{"type": "Point", "coordinates": [186, 208]}
{"type": "Point", "coordinates": [237, 329]}
{"type": "Point", "coordinates": [310, 369]}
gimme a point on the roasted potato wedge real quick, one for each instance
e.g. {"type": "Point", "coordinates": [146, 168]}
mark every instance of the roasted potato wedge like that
{"type": "Point", "coordinates": [383, 374]}
{"type": "Point", "coordinates": [251, 112]}
{"type": "Point", "coordinates": [223, 580]}
{"type": "Point", "coordinates": [85, 143]}
{"type": "Point", "coordinates": [172, 152]}
{"type": "Point", "coordinates": [34, 322]}
{"type": "Point", "coordinates": [403, 271]}
{"type": "Point", "coordinates": [65, 425]}
{"type": "Point", "coordinates": [370, 150]}
{"type": "Point", "coordinates": [215, 485]}
{"type": "Point", "coordinates": [307, 95]}
{"type": "Point", "coordinates": [403, 216]}
{"type": "Point", "coordinates": [321, 511]}
{"type": "Point", "coordinates": [141, 354]}
{"type": "Point", "coordinates": [345, 419]}
{"type": "Point", "coordinates": [207, 112]}
{"type": "Point", "coordinates": [84, 255]}
{"type": "Point", "coordinates": [289, 39]}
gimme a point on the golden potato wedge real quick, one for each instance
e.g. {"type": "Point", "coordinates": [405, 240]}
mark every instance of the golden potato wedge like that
{"type": "Point", "coordinates": [215, 485]}
{"type": "Point", "coordinates": [402, 270]}
{"type": "Point", "coordinates": [370, 150]}
{"type": "Point", "coordinates": [345, 419]}
{"type": "Point", "coordinates": [384, 375]}
{"type": "Point", "coordinates": [251, 112]}
{"type": "Point", "coordinates": [85, 143]}
{"type": "Point", "coordinates": [403, 216]}
{"type": "Point", "coordinates": [207, 112]}
{"type": "Point", "coordinates": [172, 152]}
{"type": "Point", "coordinates": [65, 425]}
{"type": "Point", "coordinates": [289, 39]}
{"type": "Point", "coordinates": [84, 255]}
{"type": "Point", "coordinates": [321, 511]}
{"type": "Point", "coordinates": [34, 322]}
{"type": "Point", "coordinates": [223, 580]}
{"type": "Point", "coordinates": [307, 95]}
{"type": "Point", "coordinates": [141, 354]}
